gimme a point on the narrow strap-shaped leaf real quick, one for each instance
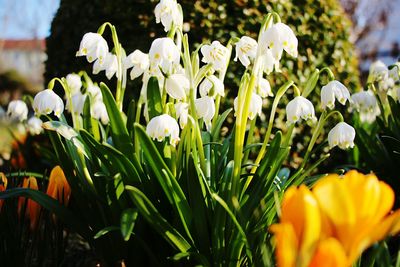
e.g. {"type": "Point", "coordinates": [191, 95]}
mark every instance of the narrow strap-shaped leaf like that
{"type": "Point", "coordinates": [53, 206]}
{"type": "Point", "coordinates": [157, 221]}
{"type": "Point", "coordinates": [154, 102]}
{"type": "Point", "coordinates": [119, 132]}
{"type": "Point", "coordinates": [106, 230]}
{"type": "Point", "coordinates": [128, 219]}
{"type": "Point", "coordinates": [217, 128]}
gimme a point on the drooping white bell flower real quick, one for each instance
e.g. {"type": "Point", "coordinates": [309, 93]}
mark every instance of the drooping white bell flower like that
{"type": "Point", "coordinates": [255, 106]}
{"type": "Point", "coordinates": [299, 108]}
{"type": "Point", "coordinates": [93, 46]}
{"type": "Point", "coordinates": [167, 12]}
{"type": "Point", "coordinates": [34, 125]}
{"type": "Point", "coordinates": [269, 63]}
{"type": "Point", "coordinates": [205, 109]}
{"type": "Point", "coordinates": [46, 102]}
{"type": "Point", "coordinates": [277, 38]}
{"type": "Point", "coordinates": [78, 101]}
{"type": "Point", "coordinates": [17, 110]}
{"type": "Point", "coordinates": [182, 111]}
{"type": "Point", "coordinates": [74, 83]}
{"type": "Point", "coordinates": [99, 112]}
{"type": "Point", "coordinates": [386, 84]}
{"type": "Point", "coordinates": [95, 92]}
{"type": "Point", "coordinates": [246, 50]}
{"type": "Point", "coordinates": [163, 126]}
{"type": "Point", "coordinates": [378, 71]}
{"type": "Point", "coordinates": [366, 104]}
{"type": "Point", "coordinates": [263, 88]}
{"type": "Point", "coordinates": [212, 86]}
{"type": "Point", "coordinates": [177, 86]}
{"type": "Point", "coordinates": [332, 90]}
{"type": "Point", "coordinates": [394, 74]}
{"type": "Point", "coordinates": [110, 65]}
{"type": "Point", "coordinates": [164, 54]}
{"type": "Point", "coordinates": [138, 61]}
{"type": "Point", "coordinates": [342, 135]}
{"type": "Point", "coordinates": [215, 54]}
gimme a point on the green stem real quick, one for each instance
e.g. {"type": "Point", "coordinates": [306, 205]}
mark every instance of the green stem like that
{"type": "Point", "coordinates": [329, 72]}
{"type": "Point", "coordinates": [249, 140]}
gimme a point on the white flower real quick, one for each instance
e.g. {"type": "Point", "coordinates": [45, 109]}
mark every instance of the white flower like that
{"type": "Point", "coordinates": [17, 110]}
{"type": "Point", "coordinates": [99, 112]}
{"type": "Point", "coordinates": [215, 54]}
{"type": "Point", "coordinates": [277, 38]}
{"type": "Point", "coordinates": [365, 102]}
{"type": "Point", "coordinates": [164, 53]}
{"type": "Point", "coordinates": [246, 50]}
{"type": "Point", "coordinates": [269, 62]}
{"type": "Point", "coordinates": [139, 61]}
{"type": "Point", "coordinates": [93, 46]}
{"type": "Point", "coordinates": [167, 12]}
{"type": "Point", "coordinates": [378, 71]}
{"type": "Point", "coordinates": [110, 65]}
{"type": "Point", "coordinates": [74, 83]}
{"type": "Point", "coordinates": [263, 88]}
{"type": "Point", "coordinates": [205, 109]}
{"type": "Point", "coordinates": [34, 126]}
{"type": "Point", "coordinates": [394, 73]}
{"type": "Point", "coordinates": [255, 106]}
{"type": "Point", "coordinates": [386, 84]}
{"type": "Point", "coordinates": [182, 111]}
{"type": "Point", "coordinates": [177, 86]}
{"type": "Point", "coordinates": [78, 101]}
{"type": "Point", "coordinates": [95, 92]}
{"type": "Point", "coordinates": [212, 86]}
{"type": "Point", "coordinates": [299, 108]}
{"type": "Point", "coordinates": [342, 135]}
{"type": "Point", "coordinates": [163, 126]}
{"type": "Point", "coordinates": [46, 102]}
{"type": "Point", "coordinates": [334, 89]}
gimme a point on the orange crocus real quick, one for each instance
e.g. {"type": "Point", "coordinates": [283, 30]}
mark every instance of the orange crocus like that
{"type": "Point", "coordinates": [354, 211]}
{"type": "Point", "coordinates": [58, 187]}
{"type": "Point", "coordinates": [3, 187]}
{"type": "Point", "coordinates": [32, 209]}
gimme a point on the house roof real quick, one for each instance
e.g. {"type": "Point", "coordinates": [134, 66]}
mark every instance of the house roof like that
{"type": "Point", "coordinates": [28, 44]}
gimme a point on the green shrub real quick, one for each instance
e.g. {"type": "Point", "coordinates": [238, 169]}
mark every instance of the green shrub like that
{"type": "Point", "coordinates": [321, 27]}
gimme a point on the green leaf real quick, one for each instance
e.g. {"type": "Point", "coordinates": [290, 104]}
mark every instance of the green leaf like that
{"type": "Point", "coordinates": [128, 219]}
{"type": "Point", "coordinates": [154, 98]}
{"type": "Point", "coordinates": [131, 117]}
{"type": "Point", "coordinates": [52, 205]}
{"type": "Point", "coordinates": [217, 128]}
{"type": "Point", "coordinates": [157, 221]}
{"type": "Point", "coordinates": [105, 231]}
{"type": "Point", "coordinates": [119, 132]}
{"type": "Point", "coordinates": [167, 181]}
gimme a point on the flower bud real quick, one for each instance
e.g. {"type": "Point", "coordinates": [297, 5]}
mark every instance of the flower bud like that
{"type": "Point", "coordinates": [74, 83]}
{"type": "Point", "coordinates": [182, 111]}
{"type": "Point", "coordinates": [263, 88]}
{"type": "Point", "coordinates": [34, 126]}
{"type": "Point", "coordinates": [32, 209]}
{"type": "Point", "coordinates": [205, 109]}
{"type": "Point", "coordinates": [212, 86]}
{"type": "Point", "coordinates": [58, 187]}
{"type": "Point", "coordinates": [99, 112]}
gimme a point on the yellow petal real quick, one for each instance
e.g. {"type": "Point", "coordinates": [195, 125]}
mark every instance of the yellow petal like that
{"type": "Point", "coordinates": [329, 253]}
{"type": "Point", "coordinates": [286, 244]}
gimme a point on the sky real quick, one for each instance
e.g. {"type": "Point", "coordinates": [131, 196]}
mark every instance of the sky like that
{"type": "Point", "coordinates": [26, 19]}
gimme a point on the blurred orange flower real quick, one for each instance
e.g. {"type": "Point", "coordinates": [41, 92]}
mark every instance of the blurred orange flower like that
{"type": "Point", "coordinates": [58, 187]}
{"type": "Point", "coordinates": [32, 209]}
{"type": "Point", "coordinates": [335, 222]}
{"type": "Point", "coordinates": [3, 186]}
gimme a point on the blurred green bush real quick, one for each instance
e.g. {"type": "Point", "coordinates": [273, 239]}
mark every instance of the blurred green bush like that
{"type": "Point", "coordinates": [322, 28]}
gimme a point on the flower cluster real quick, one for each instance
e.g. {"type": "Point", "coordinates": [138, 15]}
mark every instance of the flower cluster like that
{"type": "Point", "coordinates": [332, 224]}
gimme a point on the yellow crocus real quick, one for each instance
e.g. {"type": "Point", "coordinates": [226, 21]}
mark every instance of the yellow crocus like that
{"type": "Point", "coordinates": [358, 209]}
{"type": "Point", "coordinates": [58, 187]}
{"type": "Point", "coordinates": [334, 223]}
{"type": "Point", "coordinates": [32, 209]}
{"type": "Point", "coordinates": [300, 228]}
